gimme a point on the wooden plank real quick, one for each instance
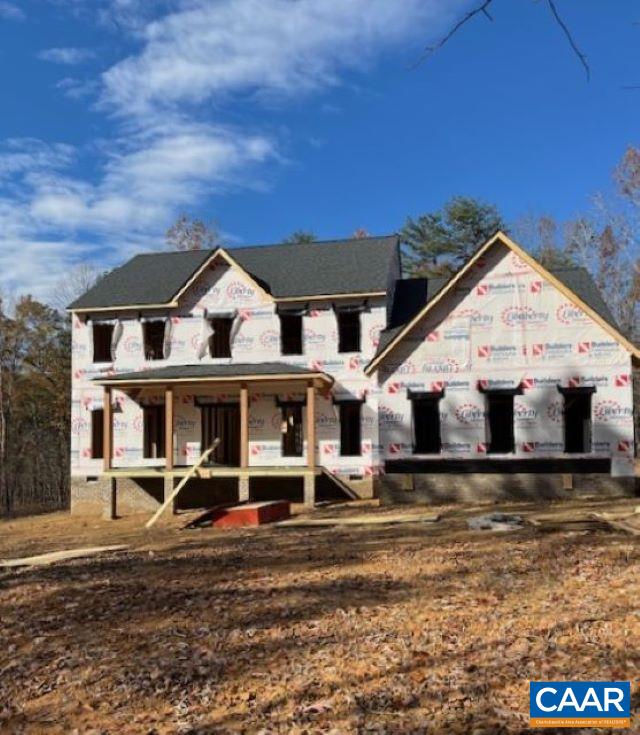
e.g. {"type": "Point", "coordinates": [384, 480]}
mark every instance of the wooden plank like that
{"type": "Point", "coordinates": [168, 427]}
{"type": "Point", "coordinates": [244, 425]}
{"type": "Point", "coordinates": [107, 428]}
{"type": "Point", "coordinates": [311, 425]}
{"type": "Point", "coordinates": [172, 496]}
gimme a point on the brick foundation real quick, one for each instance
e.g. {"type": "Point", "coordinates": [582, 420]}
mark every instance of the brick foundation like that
{"type": "Point", "coordinates": [478, 488]}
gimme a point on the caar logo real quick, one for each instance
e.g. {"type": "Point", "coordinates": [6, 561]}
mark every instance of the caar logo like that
{"type": "Point", "coordinates": [580, 704]}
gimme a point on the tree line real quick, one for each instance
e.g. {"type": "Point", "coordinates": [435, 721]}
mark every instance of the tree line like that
{"type": "Point", "coordinates": [35, 341]}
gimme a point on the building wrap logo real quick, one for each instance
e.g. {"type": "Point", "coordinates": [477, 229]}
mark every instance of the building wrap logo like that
{"type": "Point", "coordinates": [388, 417]}
{"type": "Point", "coordinates": [79, 425]}
{"type": "Point", "coordinates": [549, 350]}
{"type": "Point", "coordinates": [609, 411]}
{"type": "Point", "coordinates": [598, 349]}
{"type": "Point", "coordinates": [313, 338]}
{"type": "Point", "coordinates": [326, 421]}
{"type": "Point", "coordinates": [207, 295]}
{"type": "Point", "coordinates": [374, 334]}
{"type": "Point", "coordinates": [454, 385]}
{"type": "Point", "coordinates": [518, 265]}
{"type": "Point", "coordinates": [138, 424]}
{"type": "Point", "coordinates": [243, 343]}
{"type": "Point", "coordinates": [554, 411]}
{"type": "Point", "coordinates": [476, 318]}
{"type": "Point", "coordinates": [524, 414]}
{"type": "Point", "coordinates": [568, 314]}
{"type": "Point", "coordinates": [79, 348]}
{"type": "Point", "coordinates": [497, 353]}
{"type": "Point", "coordinates": [498, 288]}
{"type": "Point", "coordinates": [440, 366]}
{"type": "Point", "coordinates": [518, 316]}
{"type": "Point", "coordinates": [270, 339]}
{"type": "Point", "coordinates": [469, 414]}
{"type": "Point", "coordinates": [456, 447]}
{"type": "Point", "coordinates": [132, 344]}
{"type": "Point", "coordinates": [239, 293]}
{"type": "Point", "coordinates": [184, 424]}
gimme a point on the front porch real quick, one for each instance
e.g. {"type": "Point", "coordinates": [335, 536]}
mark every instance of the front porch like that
{"type": "Point", "coordinates": [206, 391]}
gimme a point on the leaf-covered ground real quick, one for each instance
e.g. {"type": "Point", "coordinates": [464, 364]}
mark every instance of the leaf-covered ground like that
{"type": "Point", "coordinates": [414, 628]}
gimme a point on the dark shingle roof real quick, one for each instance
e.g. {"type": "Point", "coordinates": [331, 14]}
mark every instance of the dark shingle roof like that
{"type": "Point", "coordinates": [358, 265]}
{"type": "Point", "coordinates": [175, 372]}
{"type": "Point", "coordinates": [409, 300]}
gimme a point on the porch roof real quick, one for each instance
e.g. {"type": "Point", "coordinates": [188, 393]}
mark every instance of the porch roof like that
{"type": "Point", "coordinates": [211, 373]}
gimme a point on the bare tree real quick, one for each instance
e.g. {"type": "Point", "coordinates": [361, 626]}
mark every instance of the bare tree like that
{"type": "Point", "coordinates": [483, 10]}
{"type": "Point", "coordinates": [193, 234]}
{"type": "Point", "coordinates": [76, 282]}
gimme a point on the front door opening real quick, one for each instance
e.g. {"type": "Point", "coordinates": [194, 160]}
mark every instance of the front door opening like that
{"type": "Point", "coordinates": [500, 437]}
{"type": "Point", "coordinates": [222, 421]}
{"type": "Point", "coordinates": [154, 447]}
{"type": "Point", "coordinates": [426, 425]}
{"type": "Point", "coordinates": [292, 430]}
{"type": "Point", "coordinates": [577, 421]}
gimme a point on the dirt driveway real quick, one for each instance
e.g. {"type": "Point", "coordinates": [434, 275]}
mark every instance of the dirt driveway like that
{"type": "Point", "coordinates": [417, 627]}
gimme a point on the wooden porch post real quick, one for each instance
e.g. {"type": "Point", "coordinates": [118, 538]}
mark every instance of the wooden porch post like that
{"type": "Point", "coordinates": [244, 425]}
{"type": "Point", "coordinates": [311, 425]}
{"type": "Point", "coordinates": [107, 428]}
{"type": "Point", "coordinates": [168, 426]}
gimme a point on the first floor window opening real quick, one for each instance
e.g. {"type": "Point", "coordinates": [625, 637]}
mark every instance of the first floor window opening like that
{"type": "Point", "coordinates": [220, 340]}
{"type": "Point", "coordinates": [292, 430]}
{"type": "Point", "coordinates": [291, 334]}
{"type": "Point", "coordinates": [577, 420]}
{"type": "Point", "coordinates": [97, 433]}
{"type": "Point", "coordinates": [153, 340]}
{"type": "Point", "coordinates": [499, 423]}
{"type": "Point", "coordinates": [426, 423]}
{"type": "Point", "coordinates": [102, 338]}
{"type": "Point", "coordinates": [350, 428]}
{"type": "Point", "coordinates": [153, 419]}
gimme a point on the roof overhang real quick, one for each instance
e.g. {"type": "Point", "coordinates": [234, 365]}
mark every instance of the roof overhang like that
{"type": "Point", "coordinates": [502, 238]}
{"type": "Point", "coordinates": [319, 379]}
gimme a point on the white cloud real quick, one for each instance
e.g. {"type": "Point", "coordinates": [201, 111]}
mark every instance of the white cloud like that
{"type": "Point", "coordinates": [69, 55]}
{"type": "Point", "coordinates": [9, 11]}
{"type": "Point", "coordinates": [166, 152]}
{"type": "Point", "coordinates": [265, 46]}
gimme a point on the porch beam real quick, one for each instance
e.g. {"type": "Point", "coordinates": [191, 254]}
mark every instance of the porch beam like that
{"type": "Point", "coordinates": [107, 428]}
{"type": "Point", "coordinates": [168, 426]}
{"type": "Point", "coordinates": [244, 425]}
{"type": "Point", "coordinates": [311, 425]}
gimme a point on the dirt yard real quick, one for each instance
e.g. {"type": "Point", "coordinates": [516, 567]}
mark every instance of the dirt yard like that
{"type": "Point", "coordinates": [408, 628]}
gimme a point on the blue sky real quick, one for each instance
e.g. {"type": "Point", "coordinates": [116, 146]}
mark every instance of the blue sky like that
{"type": "Point", "coordinates": [273, 115]}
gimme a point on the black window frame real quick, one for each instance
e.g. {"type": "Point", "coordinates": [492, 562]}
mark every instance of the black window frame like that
{"type": "Point", "coordinates": [102, 341]}
{"type": "Point", "coordinates": [584, 395]}
{"type": "Point", "coordinates": [153, 332]}
{"type": "Point", "coordinates": [349, 331]}
{"type": "Point", "coordinates": [97, 433]}
{"type": "Point", "coordinates": [153, 421]}
{"type": "Point", "coordinates": [291, 341]}
{"type": "Point", "coordinates": [426, 442]}
{"type": "Point", "coordinates": [220, 340]}
{"type": "Point", "coordinates": [497, 400]}
{"type": "Point", "coordinates": [350, 417]}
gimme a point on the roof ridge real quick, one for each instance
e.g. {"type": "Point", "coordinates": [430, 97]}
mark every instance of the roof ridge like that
{"type": "Point", "coordinates": [231, 248]}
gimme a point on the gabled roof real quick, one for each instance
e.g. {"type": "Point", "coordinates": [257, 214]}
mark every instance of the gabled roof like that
{"type": "Point", "coordinates": [574, 283]}
{"type": "Point", "coordinates": [286, 272]}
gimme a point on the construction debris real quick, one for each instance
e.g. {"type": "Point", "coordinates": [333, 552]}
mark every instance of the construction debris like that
{"type": "Point", "coordinates": [363, 520]}
{"type": "Point", "coordinates": [54, 556]}
{"type": "Point", "coordinates": [496, 522]}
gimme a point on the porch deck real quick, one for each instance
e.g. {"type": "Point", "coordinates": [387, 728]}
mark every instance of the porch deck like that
{"type": "Point", "coordinates": [213, 472]}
